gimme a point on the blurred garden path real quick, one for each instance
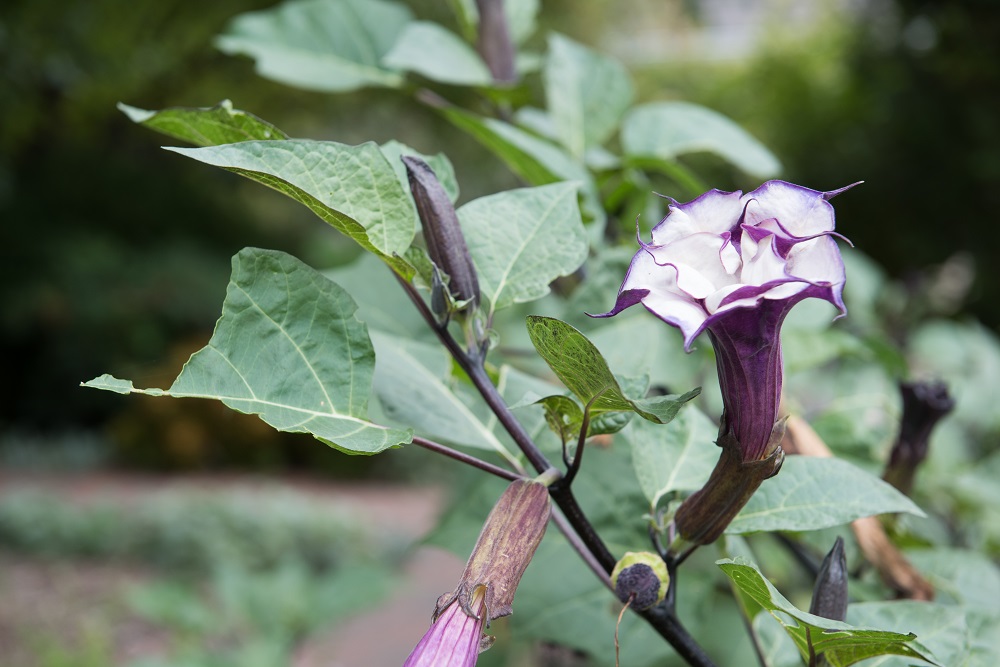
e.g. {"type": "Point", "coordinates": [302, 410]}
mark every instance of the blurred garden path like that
{"type": "Point", "coordinates": [42, 595]}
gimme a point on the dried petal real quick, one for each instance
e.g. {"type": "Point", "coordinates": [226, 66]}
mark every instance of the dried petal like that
{"type": "Point", "coordinates": [924, 405]}
{"type": "Point", "coordinates": [509, 538]}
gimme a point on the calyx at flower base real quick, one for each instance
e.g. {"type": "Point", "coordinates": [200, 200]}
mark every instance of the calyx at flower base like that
{"type": "Point", "coordinates": [704, 515]}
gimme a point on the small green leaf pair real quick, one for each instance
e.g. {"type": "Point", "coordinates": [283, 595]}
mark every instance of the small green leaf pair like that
{"type": "Point", "coordinates": [580, 366]}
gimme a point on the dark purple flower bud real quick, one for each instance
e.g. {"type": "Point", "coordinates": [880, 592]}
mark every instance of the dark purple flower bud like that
{"type": "Point", "coordinates": [442, 233]}
{"type": "Point", "coordinates": [641, 577]}
{"type": "Point", "coordinates": [924, 405]}
{"type": "Point", "coordinates": [495, 44]}
{"type": "Point", "coordinates": [734, 265]}
{"type": "Point", "coordinates": [829, 598]}
{"type": "Point", "coordinates": [509, 538]}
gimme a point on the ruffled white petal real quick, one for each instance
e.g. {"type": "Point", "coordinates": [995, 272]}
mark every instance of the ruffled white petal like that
{"type": "Point", "coordinates": [696, 258]}
{"type": "Point", "coordinates": [764, 266]}
{"type": "Point", "coordinates": [726, 251]}
{"type": "Point", "coordinates": [715, 212]}
{"type": "Point", "coordinates": [803, 212]}
{"type": "Point", "coordinates": [817, 261]}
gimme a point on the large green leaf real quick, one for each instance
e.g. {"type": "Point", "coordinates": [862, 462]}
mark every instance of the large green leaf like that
{"type": "Point", "coordinates": [960, 576]}
{"type": "Point", "coordinates": [586, 94]}
{"type": "Point", "coordinates": [413, 384]}
{"type": "Point", "coordinates": [840, 643]}
{"type": "Point", "coordinates": [522, 240]}
{"type": "Point", "coordinates": [942, 629]}
{"type": "Point", "coordinates": [353, 188]}
{"type": "Point", "coordinates": [324, 45]}
{"type": "Point", "coordinates": [665, 130]}
{"type": "Point", "coordinates": [537, 161]}
{"type": "Point", "coordinates": [811, 493]}
{"type": "Point", "coordinates": [289, 349]}
{"type": "Point", "coordinates": [678, 456]}
{"type": "Point", "coordinates": [432, 51]}
{"type": "Point", "coordinates": [580, 366]}
{"type": "Point", "coordinates": [211, 126]}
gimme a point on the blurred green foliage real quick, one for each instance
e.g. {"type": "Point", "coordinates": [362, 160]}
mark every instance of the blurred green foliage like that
{"type": "Point", "coordinates": [237, 580]}
{"type": "Point", "coordinates": [105, 265]}
{"type": "Point", "coordinates": [903, 95]}
{"type": "Point", "coordinates": [188, 532]}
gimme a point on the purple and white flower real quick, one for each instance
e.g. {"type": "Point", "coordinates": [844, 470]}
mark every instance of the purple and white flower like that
{"type": "Point", "coordinates": [734, 264]}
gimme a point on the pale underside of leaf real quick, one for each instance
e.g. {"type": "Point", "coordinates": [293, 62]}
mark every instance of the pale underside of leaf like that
{"type": "Point", "coordinates": [522, 240]}
{"type": "Point", "coordinates": [289, 349]}
{"type": "Point", "coordinates": [353, 188]}
{"type": "Point", "coordinates": [810, 493]}
{"type": "Point", "coordinates": [324, 45]}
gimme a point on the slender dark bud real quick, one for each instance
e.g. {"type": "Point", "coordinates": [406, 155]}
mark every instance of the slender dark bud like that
{"type": "Point", "coordinates": [924, 405]}
{"type": "Point", "coordinates": [442, 233]}
{"type": "Point", "coordinates": [829, 598]}
{"type": "Point", "coordinates": [495, 45]}
{"type": "Point", "coordinates": [641, 576]}
{"type": "Point", "coordinates": [705, 514]}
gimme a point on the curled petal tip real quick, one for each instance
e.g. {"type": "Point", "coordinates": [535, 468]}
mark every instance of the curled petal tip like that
{"type": "Point", "coordinates": [833, 193]}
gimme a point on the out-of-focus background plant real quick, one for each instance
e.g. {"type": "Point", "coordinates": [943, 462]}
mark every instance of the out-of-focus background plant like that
{"type": "Point", "coordinates": [106, 268]}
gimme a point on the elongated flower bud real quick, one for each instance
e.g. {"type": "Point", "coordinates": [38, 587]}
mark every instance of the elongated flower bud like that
{"type": "Point", "coordinates": [924, 405]}
{"type": "Point", "coordinates": [829, 598]}
{"type": "Point", "coordinates": [495, 44]}
{"type": "Point", "coordinates": [509, 538]}
{"type": "Point", "coordinates": [442, 233]}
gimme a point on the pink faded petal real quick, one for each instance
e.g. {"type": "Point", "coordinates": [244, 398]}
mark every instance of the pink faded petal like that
{"type": "Point", "coordinates": [801, 211]}
{"type": "Point", "coordinates": [452, 641]}
{"type": "Point", "coordinates": [714, 212]}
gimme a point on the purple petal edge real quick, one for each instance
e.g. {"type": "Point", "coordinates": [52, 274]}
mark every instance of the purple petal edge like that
{"type": "Point", "coordinates": [626, 299]}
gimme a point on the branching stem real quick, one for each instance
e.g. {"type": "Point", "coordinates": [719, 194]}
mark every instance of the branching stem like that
{"type": "Point", "coordinates": [662, 619]}
{"type": "Point", "coordinates": [438, 448]}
